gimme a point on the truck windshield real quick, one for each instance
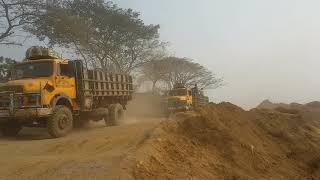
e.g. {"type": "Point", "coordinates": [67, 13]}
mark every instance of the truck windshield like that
{"type": "Point", "coordinates": [178, 92]}
{"type": "Point", "coordinates": [32, 70]}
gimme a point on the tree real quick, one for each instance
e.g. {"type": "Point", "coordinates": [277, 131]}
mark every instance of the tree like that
{"type": "Point", "coordinates": [105, 35]}
{"type": "Point", "coordinates": [172, 70]}
{"type": "Point", "coordinates": [5, 64]}
{"type": "Point", "coordinates": [153, 71]}
{"type": "Point", "coordinates": [184, 71]}
{"type": "Point", "coordinates": [15, 14]}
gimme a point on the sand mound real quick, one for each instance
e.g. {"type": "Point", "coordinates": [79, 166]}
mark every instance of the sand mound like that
{"type": "Point", "coordinates": [315, 104]}
{"type": "Point", "coordinates": [266, 104]}
{"type": "Point", "coordinates": [225, 142]}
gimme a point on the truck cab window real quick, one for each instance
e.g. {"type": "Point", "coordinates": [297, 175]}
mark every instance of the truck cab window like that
{"type": "Point", "coordinates": [32, 70]}
{"type": "Point", "coordinates": [65, 70]}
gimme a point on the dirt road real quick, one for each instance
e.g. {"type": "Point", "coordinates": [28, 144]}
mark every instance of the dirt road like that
{"type": "Point", "coordinates": [97, 152]}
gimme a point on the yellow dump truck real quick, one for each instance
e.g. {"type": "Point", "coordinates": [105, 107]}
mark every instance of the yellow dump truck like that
{"type": "Point", "coordinates": [182, 98]}
{"type": "Point", "coordinates": [47, 91]}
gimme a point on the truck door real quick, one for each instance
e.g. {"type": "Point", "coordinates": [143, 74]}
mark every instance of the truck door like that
{"type": "Point", "coordinates": [65, 81]}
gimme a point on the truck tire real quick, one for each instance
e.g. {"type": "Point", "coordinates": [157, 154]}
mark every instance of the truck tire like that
{"type": "Point", "coordinates": [61, 122]}
{"type": "Point", "coordinates": [116, 115]}
{"type": "Point", "coordinates": [11, 129]}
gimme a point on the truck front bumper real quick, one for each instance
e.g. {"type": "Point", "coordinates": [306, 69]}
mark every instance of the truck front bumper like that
{"type": "Point", "coordinates": [25, 114]}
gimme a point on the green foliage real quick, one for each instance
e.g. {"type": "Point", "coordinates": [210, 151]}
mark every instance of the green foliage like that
{"type": "Point", "coordinates": [105, 35]}
{"type": "Point", "coordinates": [173, 70]}
{"type": "Point", "coordinates": [5, 64]}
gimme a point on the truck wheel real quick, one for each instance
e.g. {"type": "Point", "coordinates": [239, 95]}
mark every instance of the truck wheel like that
{"type": "Point", "coordinates": [116, 114]}
{"type": "Point", "coordinates": [61, 122]}
{"type": "Point", "coordinates": [11, 129]}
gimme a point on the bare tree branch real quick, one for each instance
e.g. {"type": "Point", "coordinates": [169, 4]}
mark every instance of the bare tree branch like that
{"type": "Point", "coordinates": [15, 16]}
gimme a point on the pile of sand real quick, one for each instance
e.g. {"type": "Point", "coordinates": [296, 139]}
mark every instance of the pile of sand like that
{"type": "Point", "coordinates": [313, 105]}
{"type": "Point", "coordinates": [225, 142]}
{"type": "Point", "coordinates": [266, 104]}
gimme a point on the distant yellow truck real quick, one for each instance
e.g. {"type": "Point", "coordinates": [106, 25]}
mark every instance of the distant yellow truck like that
{"type": "Point", "coordinates": [182, 98]}
{"type": "Point", "coordinates": [47, 91]}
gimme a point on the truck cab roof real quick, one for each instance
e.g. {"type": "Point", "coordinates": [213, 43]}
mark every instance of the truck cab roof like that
{"type": "Point", "coordinates": [26, 61]}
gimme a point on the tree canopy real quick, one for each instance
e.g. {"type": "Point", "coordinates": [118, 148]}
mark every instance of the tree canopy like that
{"type": "Point", "coordinates": [105, 35]}
{"type": "Point", "coordinates": [173, 70]}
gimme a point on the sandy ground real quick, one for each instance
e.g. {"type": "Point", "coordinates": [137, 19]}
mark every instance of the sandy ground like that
{"type": "Point", "coordinates": [97, 152]}
{"type": "Point", "coordinates": [221, 141]}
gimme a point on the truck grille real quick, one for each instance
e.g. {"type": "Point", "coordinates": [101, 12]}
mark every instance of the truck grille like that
{"type": "Point", "coordinates": [4, 101]}
{"type": "Point", "coordinates": [176, 103]}
{"type": "Point", "coordinates": [20, 100]}
{"type": "Point", "coordinates": [5, 92]}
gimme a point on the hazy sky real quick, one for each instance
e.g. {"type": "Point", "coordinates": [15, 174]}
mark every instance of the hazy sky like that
{"type": "Point", "coordinates": [263, 49]}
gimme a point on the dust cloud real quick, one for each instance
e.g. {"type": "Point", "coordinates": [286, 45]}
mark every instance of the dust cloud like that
{"type": "Point", "coordinates": [143, 108]}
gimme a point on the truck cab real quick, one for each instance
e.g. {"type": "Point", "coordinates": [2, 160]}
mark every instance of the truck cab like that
{"type": "Point", "coordinates": [179, 98]}
{"type": "Point", "coordinates": [46, 77]}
